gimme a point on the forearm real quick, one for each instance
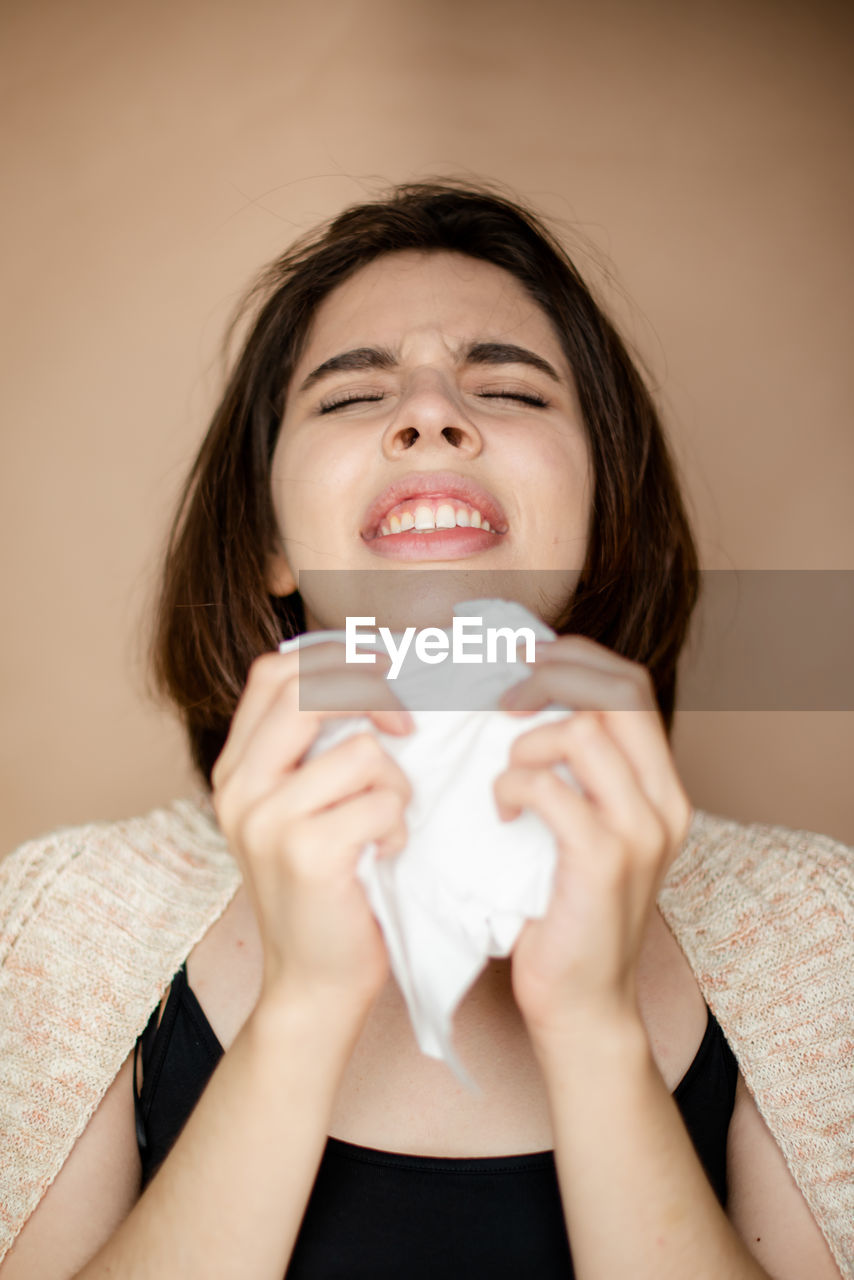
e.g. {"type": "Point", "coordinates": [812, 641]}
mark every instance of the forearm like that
{"type": "Point", "coordinates": [636, 1199]}
{"type": "Point", "coordinates": [229, 1199]}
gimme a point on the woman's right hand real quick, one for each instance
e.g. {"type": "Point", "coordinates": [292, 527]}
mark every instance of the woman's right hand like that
{"type": "Point", "coordinates": [297, 827]}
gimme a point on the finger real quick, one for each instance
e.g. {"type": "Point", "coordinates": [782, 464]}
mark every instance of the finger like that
{"type": "Point", "coordinates": [606, 775]}
{"type": "Point", "coordinates": [264, 680]}
{"type": "Point", "coordinates": [284, 734]}
{"type": "Point", "coordinates": [347, 689]}
{"type": "Point", "coordinates": [579, 685]}
{"type": "Point", "coordinates": [274, 695]}
{"type": "Point", "coordinates": [569, 816]}
{"type": "Point", "coordinates": [353, 691]}
{"type": "Point", "coordinates": [571, 649]}
{"type": "Point", "coordinates": [581, 649]}
{"type": "Point", "coordinates": [375, 815]}
{"type": "Point", "coordinates": [266, 676]}
{"type": "Point", "coordinates": [586, 844]}
{"type": "Point", "coordinates": [352, 766]}
{"type": "Point", "coordinates": [624, 698]}
{"type": "Point", "coordinates": [643, 745]}
{"type": "Point", "coordinates": [321, 843]}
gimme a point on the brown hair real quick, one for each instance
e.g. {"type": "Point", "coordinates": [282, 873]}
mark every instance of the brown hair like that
{"type": "Point", "coordinates": [640, 580]}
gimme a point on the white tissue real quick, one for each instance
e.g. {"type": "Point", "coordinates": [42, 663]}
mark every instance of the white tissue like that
{"type": "Point", "coordinates": [465, 883]}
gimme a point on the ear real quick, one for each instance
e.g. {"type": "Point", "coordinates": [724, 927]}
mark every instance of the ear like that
{"type": "Point", "coordinates": [280, 580]}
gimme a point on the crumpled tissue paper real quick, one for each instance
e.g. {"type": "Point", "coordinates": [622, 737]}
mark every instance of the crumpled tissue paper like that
{"type": "Point", "coordinates": [464, 885]}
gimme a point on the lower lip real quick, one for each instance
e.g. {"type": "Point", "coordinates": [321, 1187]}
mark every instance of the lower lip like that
{"type": "Point", "coordinates": [443, 544]}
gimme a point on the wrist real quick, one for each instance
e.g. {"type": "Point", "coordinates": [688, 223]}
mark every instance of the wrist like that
{"type": "Point", "coordinates": [325, 1023]}
{"type": "Point", "coordinates": [591, 1041]}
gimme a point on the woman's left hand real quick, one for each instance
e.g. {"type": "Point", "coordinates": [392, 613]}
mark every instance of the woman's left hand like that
{"type": "Point", "coordinates": [615, 841]}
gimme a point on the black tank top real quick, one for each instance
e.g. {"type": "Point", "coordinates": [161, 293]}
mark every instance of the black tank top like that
{"type": "Point", "coordinates": [377, 1214]}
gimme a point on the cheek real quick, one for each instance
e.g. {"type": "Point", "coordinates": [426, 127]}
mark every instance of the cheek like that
{"type": "Point", "coordinates": [309, 478]}
{"type": "Point", "coordinates": [572, 462]}
{"type": "Point", "coordinates": [558, 469]}
{"type": "Point", "coordinates": [293, 481]}
{"type": "Point", "coordinates": [561, 481]}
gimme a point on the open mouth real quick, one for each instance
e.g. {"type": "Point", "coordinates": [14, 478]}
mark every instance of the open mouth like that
{"type": "Point", "coordinates": [433, 503]}
{"type": "Point", "coordinates": [429, 514]}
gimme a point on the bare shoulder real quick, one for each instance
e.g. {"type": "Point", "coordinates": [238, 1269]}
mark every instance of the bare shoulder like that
{"type": "Point", "coordinates": [93, 1193]}
{"type": "Point", "coordinates": [764, 1203]}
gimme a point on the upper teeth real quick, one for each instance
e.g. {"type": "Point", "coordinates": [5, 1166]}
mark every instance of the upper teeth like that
{"type": "Point", "coordinates": [442, 515]}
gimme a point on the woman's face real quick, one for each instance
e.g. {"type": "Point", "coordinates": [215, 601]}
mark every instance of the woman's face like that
{"type": "Point", "coordinates": [431, 423]}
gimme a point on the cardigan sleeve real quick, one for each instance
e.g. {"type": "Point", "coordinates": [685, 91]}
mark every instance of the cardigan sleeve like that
{"type": "Point", "coordinates": [94, 921]}
{"type": "Point", "coordinates": [765, 916]}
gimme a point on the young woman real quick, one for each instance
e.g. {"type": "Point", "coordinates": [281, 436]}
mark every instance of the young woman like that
{"type": "Point", "coordinates": [433, 349]}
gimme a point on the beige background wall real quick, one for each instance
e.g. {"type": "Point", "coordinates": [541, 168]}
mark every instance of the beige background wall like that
{"type": "Point", "coordinates": [156, 155]}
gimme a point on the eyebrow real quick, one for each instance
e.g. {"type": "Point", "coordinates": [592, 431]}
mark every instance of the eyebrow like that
{"type": "Point", "coordinates": [508, 353]}
{"type": "Point", "coordinates": [351, 362]}
{"type": "Point", "coordinates": [491, 353]}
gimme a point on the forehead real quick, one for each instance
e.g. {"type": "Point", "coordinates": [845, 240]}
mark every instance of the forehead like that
{"type": "Point", "coordinates": [405, 293]}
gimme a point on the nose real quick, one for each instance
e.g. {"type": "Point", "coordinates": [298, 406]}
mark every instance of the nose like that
{"type": "Point", "coordinates": [431, 417]}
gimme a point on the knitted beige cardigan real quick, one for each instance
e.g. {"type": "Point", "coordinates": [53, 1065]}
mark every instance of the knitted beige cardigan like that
{"type": "Point", "coordinates": [95, 920]}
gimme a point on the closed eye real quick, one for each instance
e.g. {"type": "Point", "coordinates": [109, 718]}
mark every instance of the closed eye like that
{"type": "Point", "coordinates": [523, 397]}
{"type": "Point", "coordinates": [354, 397]}
{"type": "Point", "coordinates": [363, 397]}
